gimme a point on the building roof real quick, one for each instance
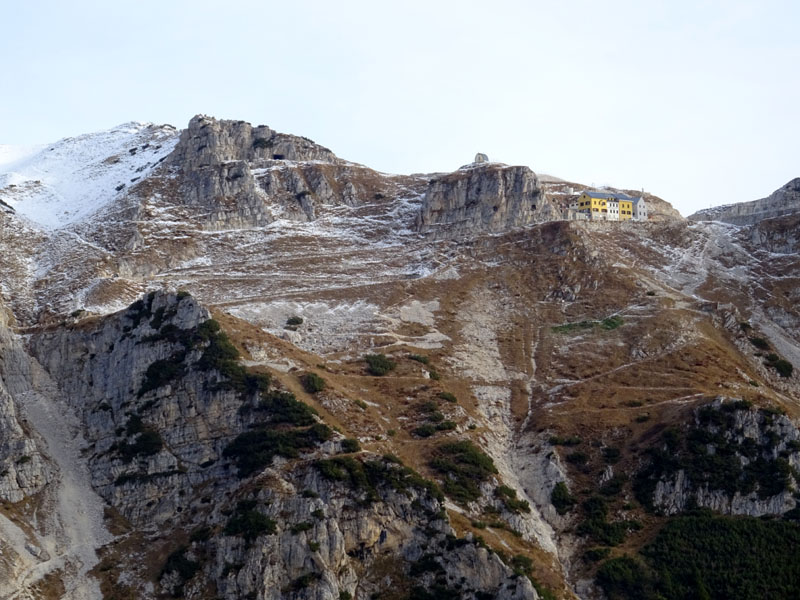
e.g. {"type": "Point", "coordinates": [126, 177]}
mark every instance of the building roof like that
{"type": "Point", "coordinates": [603, 195]}
{"type": "Point", "coordinates": [610, 196]}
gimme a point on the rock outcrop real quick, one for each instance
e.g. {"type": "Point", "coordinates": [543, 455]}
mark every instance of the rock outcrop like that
{"type": "Point", "coordinates": [780, 235]}
{"type": "Point", "coordinates": [483, 197]}
{"type": "Point", "coordinates": [244, 176]}
{"type": "Point", "coordinates": [783, 201]}
{"type": "Point", "coordinates": [736, 461]}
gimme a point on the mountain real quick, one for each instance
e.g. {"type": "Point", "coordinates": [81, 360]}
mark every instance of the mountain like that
{"type": "Point", "coordinates": [235, 365]}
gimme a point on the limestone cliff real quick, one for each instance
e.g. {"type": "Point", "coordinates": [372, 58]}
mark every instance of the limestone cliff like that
{"type": "Point", "coordinates": [483, 197]}
{"type": "Point", "coordinates": [783, 201]}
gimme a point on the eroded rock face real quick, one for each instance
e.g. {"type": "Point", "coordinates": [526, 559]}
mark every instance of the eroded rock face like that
{"type": "Point", "coordinates": [784, 201]}
{"type": "Point", "coordinates": [288, 525]}
{"type": "Point", "coordinates": [780, 235]}
{"type": "Point", "coordinates": [483, 197]}
{"type": "Point", "coordinates": [23, 470]}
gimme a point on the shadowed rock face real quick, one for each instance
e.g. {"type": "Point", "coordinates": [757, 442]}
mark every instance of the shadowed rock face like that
{"type": "Point", "coordinates": [784, 201]}
{"type": "Point", "coordinates": [483, 197]}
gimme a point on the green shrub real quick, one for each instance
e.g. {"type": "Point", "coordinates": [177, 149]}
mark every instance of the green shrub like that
{"type": "Point", "coordinates": [134, 425]}
{"type": "Point", "coordinates": [595, 523]}
{"type": "Point", "coordinates": [760, 343]}
{"type": "Point", "coordinates": [577, 458]}
{"type": "Point", "coordinates": [611, 455]}
{"type": "Point", "coordinates": [247, 522]}
{"type": "Point", "coordinates": [161, 372]}
{"type": "Point", "coordinates": [611, 322]}
{"type": "Point", "coordinates": [369, 476]}
{"type": "Point", "coordinates": [350, 445]}
{"type": "Point", "coordinates": [379, 364]}
{"type": "Point", "coordinates": [419, 358]}
{"type": "Point", "coordinates": [446, 426]}
{"type": "Point", "coordinates": [424, 431]}
{"type": "Point", "coordinates": [521, 564]}
{"type": "Point", "coordinates": [177, 562]}
{"type": "Point", "coordinates": [201, 534]}
{"type": "Point", "coordinates": [448, 397]}
{"type": "Point", "coordinates": [283, 407]}
{"type": "Point", "coordinates": [147, 443]}
{"type": "Point", "coordinates": [304, 581]}
{"type": "Point", "coordinates": [434, 375]}
{"type": "Point", "coordinates": [564, 441]}
{"type": "Point", "coordinates": [294, 321]}
{"type": "Point", "coordinates": [607, 324]}
{"type": "Point", "coordinates": [428, 406]}
{"type": "Point", "coordinates": [464, 467]}
{"type": "Point", "coordinates": [570, 327]}
{"type": "Point", "coordinates": [624, 577]}
{"type": "Point", "coordinates": [613, 486]}
{"type": "Point", "coordinates": [509, 498]}
{"type": "Point", "coordinates": [301, 527]}
{"type": "Point", "coordinates": [783, 367]}
{"type": "Point", "coordinates": [253, 450]}
{"type": "Point", "coordinates": [312, 383]}
{"type": "Point", "coordinates": [561, 499]}
{"type": "Point", "coordinates": [596, 554]}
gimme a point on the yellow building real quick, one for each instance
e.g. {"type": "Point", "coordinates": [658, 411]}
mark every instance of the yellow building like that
{"type": "Point", "coordinates": [625, 210]}
{"type": "Point", "coordinates": [593, 204]}
{"type": "Point", "coordinates": [604, 206]}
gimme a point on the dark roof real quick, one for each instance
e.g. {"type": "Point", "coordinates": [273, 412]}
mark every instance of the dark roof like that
{"type": "Point", "coordinates": [608, 195]}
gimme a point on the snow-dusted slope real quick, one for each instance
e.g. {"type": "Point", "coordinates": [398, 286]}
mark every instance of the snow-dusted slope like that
{"type": "Point", "coordinates": [13, 154]}
{"type": "Point", "coordinates": [67, 181]}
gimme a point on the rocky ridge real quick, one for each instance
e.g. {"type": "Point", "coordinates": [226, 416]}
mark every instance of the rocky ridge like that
{"type": "Point", "coordinates": [783, 201]}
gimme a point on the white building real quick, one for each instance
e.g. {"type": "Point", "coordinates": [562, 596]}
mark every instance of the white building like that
{"type": "Point", "coordinates": [612, 206]}
{"type": "Point", "coordinates": [639, 209]}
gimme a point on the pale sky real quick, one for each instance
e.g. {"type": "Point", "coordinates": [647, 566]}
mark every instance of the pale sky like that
{"type": "Point", "coordinates": [695, 101]}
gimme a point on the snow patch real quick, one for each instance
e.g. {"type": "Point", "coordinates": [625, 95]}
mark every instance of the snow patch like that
{"type": "Point", "coordinates": [65, 182]}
